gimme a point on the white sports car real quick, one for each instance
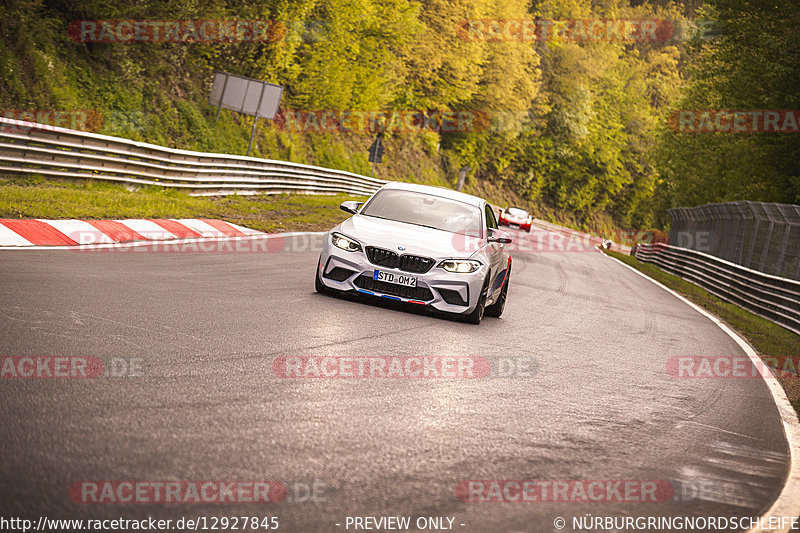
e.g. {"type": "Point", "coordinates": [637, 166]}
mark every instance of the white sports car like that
{"type": "Point", "coordinates": [422, 245]}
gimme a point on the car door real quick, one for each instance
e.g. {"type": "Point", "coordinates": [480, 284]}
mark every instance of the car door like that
{"type": "Point", "coordinates": [495, 251]}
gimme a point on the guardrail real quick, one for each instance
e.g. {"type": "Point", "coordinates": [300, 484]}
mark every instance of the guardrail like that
{"type": "Point", "coordinates": [776, 299]}
{"type": "Point", "coordinates": [27, 147]}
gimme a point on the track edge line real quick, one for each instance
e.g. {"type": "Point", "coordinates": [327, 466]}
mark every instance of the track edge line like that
{"type": "Point", "coordinates": [786, 504]}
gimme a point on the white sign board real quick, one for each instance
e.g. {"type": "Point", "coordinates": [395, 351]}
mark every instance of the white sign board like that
{"type": "Point", "coordinates": [244, 95]}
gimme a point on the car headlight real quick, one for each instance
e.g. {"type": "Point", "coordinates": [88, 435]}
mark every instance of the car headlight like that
{"type": "Point", "coordinates": [345, 243]}
{"type": "Point", "coordinates": [461, 266]}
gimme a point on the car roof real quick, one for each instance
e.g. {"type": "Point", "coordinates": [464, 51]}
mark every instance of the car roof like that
{"type": "Point", "coordinates": [436, 191]}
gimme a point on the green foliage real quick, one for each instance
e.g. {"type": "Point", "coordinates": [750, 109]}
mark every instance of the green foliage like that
{"type": "Point", "coordinates": [592, 149]}
{"type": "Point", "coordinates": [569, 127]}
{"type": "Point", "coordinates": [751, 63]}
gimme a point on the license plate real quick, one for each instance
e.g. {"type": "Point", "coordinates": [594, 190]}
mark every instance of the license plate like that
{"type": "Point", "coordinates": [397, 279]}
{"type": "Point", "coordinates": [512, 225]}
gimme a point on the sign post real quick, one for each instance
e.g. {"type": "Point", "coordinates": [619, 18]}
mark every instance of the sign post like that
{"type": "Point", "coordinates": [245, 95]}
{"type": "Point", "coordinates": [255, 121]}
{"type": "Point", "coordinates": [462, 176]}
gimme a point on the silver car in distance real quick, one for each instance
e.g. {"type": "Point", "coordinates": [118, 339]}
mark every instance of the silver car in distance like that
{"type": "Point", "coordinates": [422, 245]}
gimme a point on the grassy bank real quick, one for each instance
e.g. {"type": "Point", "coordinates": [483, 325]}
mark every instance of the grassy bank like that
{"type": "Point", "coordinates": [35, 197]}
{"type": "Point", "coordinates": [768, 339]}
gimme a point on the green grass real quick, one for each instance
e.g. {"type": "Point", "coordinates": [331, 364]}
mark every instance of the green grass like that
{"type": "Point", "coordinates": [768, 339]}
{"type": "Point", "coordinates": [35, 197]}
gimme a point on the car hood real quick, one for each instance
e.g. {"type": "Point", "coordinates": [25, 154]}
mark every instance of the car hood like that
{"type": "Point", "coordinates": [417, 240]}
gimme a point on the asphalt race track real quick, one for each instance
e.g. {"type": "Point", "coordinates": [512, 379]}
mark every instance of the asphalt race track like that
{"type": "Point", "coordinates": [205, 403]}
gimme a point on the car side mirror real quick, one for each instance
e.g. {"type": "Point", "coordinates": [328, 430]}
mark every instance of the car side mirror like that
{"type": "Point", "coordinates": [499, 236]}
{"type": "Point", "coordinates": [350, 206]}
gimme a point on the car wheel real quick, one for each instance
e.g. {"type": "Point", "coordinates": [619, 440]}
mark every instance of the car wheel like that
{"type": "Point", "coordinates": [496, 309]}
{"type": "Point", "coordinates": [319, 286]}
{"type": "Point", "coordinates": [529, 229]}
{"type": "Point", "coordinates": [476, 315]}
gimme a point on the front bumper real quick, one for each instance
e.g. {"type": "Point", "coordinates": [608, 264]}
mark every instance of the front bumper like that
{"type": "Point", "coordinates": [515, 223]}
{"type": "Point", "coordinates": [441, 290]}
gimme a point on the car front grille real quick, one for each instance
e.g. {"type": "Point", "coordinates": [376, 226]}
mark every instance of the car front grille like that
{"type": "Point", "coordinates": [415, 263]}
{"type": "Point", "coordinates": [381, 257]}
{"type": "Point", "coordinates": [408, 263]}
{"type": "Point", "coordinates": [366, 282]}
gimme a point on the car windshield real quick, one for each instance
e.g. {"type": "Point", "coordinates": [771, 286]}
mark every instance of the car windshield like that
{"type": "Point", "coordinates": [424, 210]}
{"type": "Point", "coordinates": [517, 212]}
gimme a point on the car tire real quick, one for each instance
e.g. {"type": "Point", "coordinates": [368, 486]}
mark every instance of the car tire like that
{"type": "Point", "coordinates": [529, 229]}
{"type": "Point", "coordinates": [496, 309]}
{"type": "Point", "coordinates": [319, 286]}
{"type": "Point", "coordinates": [476, 315]}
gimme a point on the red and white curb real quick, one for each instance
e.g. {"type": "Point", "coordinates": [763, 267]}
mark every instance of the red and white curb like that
{"type": "Point", "coordinates": [70, 233]}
